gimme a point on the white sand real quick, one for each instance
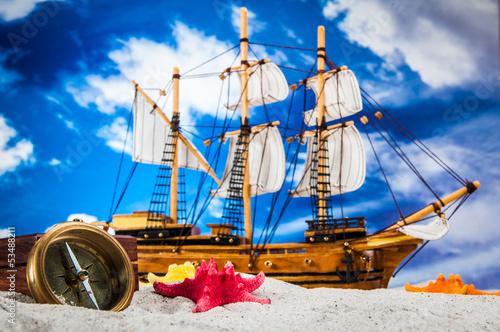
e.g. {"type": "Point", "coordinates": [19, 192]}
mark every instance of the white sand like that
{"type": "Point", "coordinates": [292, 308]}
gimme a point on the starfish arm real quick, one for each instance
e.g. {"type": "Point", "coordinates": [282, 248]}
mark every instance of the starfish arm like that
{"type": "Point", "coordinates": [473, 291]}
{"type": "Point", "coordinates": [212, 264]}
{"type": "Point", "coordinates": [209, 299]}
{"type": "Point", "coordinates": [188, 289]}
{"type": "Point", "coordinates": [172, 290]}
{"type": "Point", "coordinates": [204, 304]}
{"type": "Point", "coordinates": [410, 288]}
{"type": "Point", "coordinates": [247, 297]}
{"type": "Point", "coordinates": [253, 283]}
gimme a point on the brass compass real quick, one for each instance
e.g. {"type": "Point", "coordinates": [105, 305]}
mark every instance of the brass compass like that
{"type": "Point", "coordinates": [81, 265]}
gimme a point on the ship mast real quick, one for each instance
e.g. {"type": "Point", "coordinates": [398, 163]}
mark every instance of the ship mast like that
{"type": "Point", "coordinates": [321, 127]}
{"type": "Point", "coordinates": [245, 129]}
{"type": "Point", "coordinates": [175, 129]}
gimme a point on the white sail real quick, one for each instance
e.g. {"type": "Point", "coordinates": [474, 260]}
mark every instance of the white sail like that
{"type": "Point", "coordinates": [266, 85]}
{"type": "Point", "coordinates": [267, 163]}
{"type": "Point", "coordinates": [342, 97]}
{"type": "Point", "coordinates": [150, 135]}
{"type": "Point", "coordinates": [344, 146]}
{"type": "Point", "coordinates": [434, 230]}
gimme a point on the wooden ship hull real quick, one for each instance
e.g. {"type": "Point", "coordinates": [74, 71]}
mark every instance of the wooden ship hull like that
{"type": "Point", "coordinates": [370, 266]}
{"type": "Point", "coordinates": [364, 263]}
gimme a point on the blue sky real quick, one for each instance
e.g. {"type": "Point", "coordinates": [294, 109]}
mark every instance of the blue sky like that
{"type": "Point", "coordinates": [66, 67]}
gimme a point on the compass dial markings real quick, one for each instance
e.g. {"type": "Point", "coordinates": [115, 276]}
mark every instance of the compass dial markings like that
{"type": "Point", "coordinates": [63, 275]}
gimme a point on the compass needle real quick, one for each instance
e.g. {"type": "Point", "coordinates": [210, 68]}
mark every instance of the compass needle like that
{"type": "Point", "coordinates": [83, 275]}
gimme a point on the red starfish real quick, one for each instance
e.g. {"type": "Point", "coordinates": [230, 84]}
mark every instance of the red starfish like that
{"type": "Point", "coordinates": [211, 288]}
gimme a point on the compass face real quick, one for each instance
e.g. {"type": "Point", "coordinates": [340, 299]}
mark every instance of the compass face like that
{"type": "Point", "coordinates": [67, 284]}
{"type": "Point", "coordinates": [81, 265]}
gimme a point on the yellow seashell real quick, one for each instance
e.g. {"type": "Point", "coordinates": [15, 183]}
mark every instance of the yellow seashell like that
{"type": "Point", "coordinates": [175, 273]}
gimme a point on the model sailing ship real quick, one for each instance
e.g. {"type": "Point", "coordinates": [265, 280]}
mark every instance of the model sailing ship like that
{"type": "Point", "coordinates": [337, 252]}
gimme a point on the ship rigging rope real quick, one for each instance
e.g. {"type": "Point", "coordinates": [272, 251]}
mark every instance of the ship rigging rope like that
{"type": "Point", "coordinates": [258, 177]}
{"type": "Point", "coordinates": [330, 63]}
{"type": "Point", "coordinates": [269, 236]}
{"type": "Point", "coordinates": [289, 47]}
{"type": "Point", "coordinates": [225, 127]}
{"type": "Point", "coordinates": [125, 186]}
{"type": "Point", "coordinates": [462, 201]}
{"type": "Point", "coordinates": [275, 195]}
{"type": "Point", "coordinates": [382, 169]}
{"type": "Point", "coordinates": [134, 166]}
{"type": "Point", "coordinates": [400, 152]}
{"type": "Point", "coordinates": [111, 211]}
{"type": "Point", "coordinates": [216, 158]}
{"type": "Point", "coordinates": [168, 90]}
{"type": "Point", "coordinates": [211, 59]}
{"type": "Point", "coordinates": [415, 140]}
{"type": "Point", "coordinates": [207, 153]}
{"type": "Point", "coordinates": [203, 176]}
{"type": "Point", "coordinates": [293, 165]}
{"type": "Point", "coordinates": [204, 75]}
{"type": "Point", "coordinates": [297, 69]}
{"type": "Point", "coordinates": [411, 257]}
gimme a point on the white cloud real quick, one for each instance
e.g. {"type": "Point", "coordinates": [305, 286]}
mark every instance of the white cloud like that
{"type": "Point", "coordinates": [299, 169]}
{"type": "Point", "coordinates": [296, 226]}
{"type": "Point", "coordinates": [151, 64]}
{"type": "Point", "coordinates": [433, 40]}
{"type": "Point", "coordinates": [115, 134]}
{"type": "Point", "coordinates": [13, 155]}
{"type": "Point", "coordinates": [254, 25]}
{"type": "Point", "coordinates": [14, 9]}
{"type": "Point", "coordinates": [215, 208]}
{"type": "Point", "coordinates": [68, 123]}
{"type": "Point", "coordinates": [105, 93]}
{"type": "Point", "coordinates": [331, 10]}
{"type": "Point", "coordinates": [307, 59]}
{"type": "Point", "coordinates": [86, 219]}
{"type": "Point", "coordinates": [291, 34]}
{"type": "Point", "coordinates": [4, 232]}
{"type": "Point", "coordinates": [54, 162]}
